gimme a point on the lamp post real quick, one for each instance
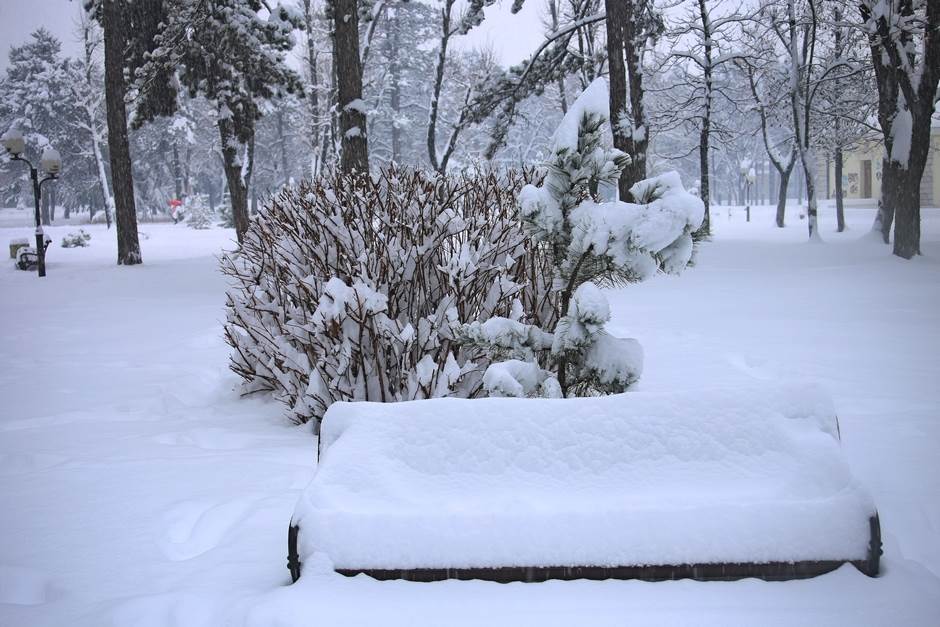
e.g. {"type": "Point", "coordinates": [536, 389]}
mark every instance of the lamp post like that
{"type": "Point", "coordinates": [51, 164]}
{"type": "Point", "coordinates": [750, 176]}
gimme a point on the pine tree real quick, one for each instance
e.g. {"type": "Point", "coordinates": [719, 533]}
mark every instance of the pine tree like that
{"type": "Point", "coordinates": [594, 239]}
{"type": "Point", "coordinates": [227, 52]}
{"type": "Point", "coordinates": [87, 89]}
{"type": "Point", "coordinates": [37, 102]}
{"type": "Point", "coordinates": [112, 14]}
{"type": "Point", "coordinates": [198, 214]}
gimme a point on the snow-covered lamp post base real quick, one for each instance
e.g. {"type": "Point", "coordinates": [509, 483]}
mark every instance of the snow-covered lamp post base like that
{"type": "Point", "coordinates": [51, 164]}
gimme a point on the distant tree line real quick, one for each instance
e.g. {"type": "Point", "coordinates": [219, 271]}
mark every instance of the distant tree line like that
{"type": "Point", "coordinates": [233, 99]}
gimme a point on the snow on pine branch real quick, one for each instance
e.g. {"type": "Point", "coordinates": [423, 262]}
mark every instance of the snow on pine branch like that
{"type": "Point", "coordinates": [594, 238]}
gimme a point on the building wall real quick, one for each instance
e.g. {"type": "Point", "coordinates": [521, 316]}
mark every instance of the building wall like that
{"type": "Point", "coordinates": [852, 172]}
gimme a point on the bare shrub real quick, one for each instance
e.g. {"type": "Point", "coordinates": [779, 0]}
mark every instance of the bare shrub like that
{"type": "Point", "coordinates": [352, 288]}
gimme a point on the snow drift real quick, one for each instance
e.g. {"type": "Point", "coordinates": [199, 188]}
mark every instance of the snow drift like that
{"type": "Point", "coordinates": [750, 475]}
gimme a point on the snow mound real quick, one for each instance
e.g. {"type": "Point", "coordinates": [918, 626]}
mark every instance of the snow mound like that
{"type": "Point", "coordinates": [735, 475]}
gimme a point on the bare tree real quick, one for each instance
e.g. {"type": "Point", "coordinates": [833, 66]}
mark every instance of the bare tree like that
{"type": "Point", "coordinates": [844, 106]}
{"type": "Point", "coordinates": [904, 38]}
{"type": "Point", "coordinates": [88, 96]}
{"type": "Point", "coordinates": [448, 30]}
{"type": "Point", "coordinates": [702, 42]}
{"type": "Point", "coordinates": [318, 132]}
{"type": "Point", "coordinates": [764, 82]}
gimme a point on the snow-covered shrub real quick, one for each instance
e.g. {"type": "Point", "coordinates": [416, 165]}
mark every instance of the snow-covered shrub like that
{"type": "Point", "coordinates": [76, 240]}
{"type": "Point", "coordinates": [199, 214]}
{"type": "Point", "coordinates": [352, 288]}
{"type": "Point", "coordinates": [592, 239]}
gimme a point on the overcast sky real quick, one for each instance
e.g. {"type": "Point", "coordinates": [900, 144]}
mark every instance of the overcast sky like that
{"type": "Point", "coordinates": [512, 37]}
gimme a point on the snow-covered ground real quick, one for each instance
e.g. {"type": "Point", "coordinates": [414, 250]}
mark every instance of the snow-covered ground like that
{"type": "Point", "coordinates": [138, 490]}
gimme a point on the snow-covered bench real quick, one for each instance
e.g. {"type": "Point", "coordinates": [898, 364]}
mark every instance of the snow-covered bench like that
{"type": "Point", "coordinates": [715, 484]}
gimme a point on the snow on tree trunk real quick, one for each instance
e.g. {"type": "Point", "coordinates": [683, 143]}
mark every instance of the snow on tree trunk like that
{"type": "Point", "coordinates": [799, 104]}
{"type": "Point", "coordinates": [593, 239]}
{"type": "Point", "coordinates": [233, 168]}
{"type": "Point", "coordinates": [904, 39]}
{"type": "Point", "coordinates": [355, 151]}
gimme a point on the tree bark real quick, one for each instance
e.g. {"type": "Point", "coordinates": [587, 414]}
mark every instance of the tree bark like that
{"type": "Point", "coordinates": [840, 209]}
{"type": "Point", "coordinates": [354, 155]}
{"type": "Point", "coordinates": [314, 87]}
{"type": "Point", "coordinates": [784, 175]}
{"type": "Point", "coordinates": [177, 172]}
{"type": "Point", "coordinates": [102, 175]}
{"type": "Point", "coordinates": [903, 85]}
{"type": "Point", "coordinates": [884, 218]}
{"type": "Point", "coordinates": [118, 145]}
{"type": "Point", "coordinates": [562, 99]}
{"type": "Point", "coordinates": [623, 140]}
{"type": "Point", "coordinates": [633, 43]}
{"type": "Point", "coordinates": [705, 131]}
{"type": "Point", "coordinates": [234, 176]}
{"type": "Point", "coordinates": [439, 163]}
{"type": "Point", "coordinates": [394, 69]}
{"type": "Point", "coordinates": [905, 200]}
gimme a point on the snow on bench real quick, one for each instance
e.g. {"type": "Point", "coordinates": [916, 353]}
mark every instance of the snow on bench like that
{"type": "Point", "coordinates": [638, 479]}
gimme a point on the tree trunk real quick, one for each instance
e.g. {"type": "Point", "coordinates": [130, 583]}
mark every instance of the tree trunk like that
{"type": "Point", "coordinates": [633, 43]}
{"type": "Point", "coordinates": [394, 69]}
{"type": "Point", "coordinates": [234, 176]}
{"type": "Point", "coordinates": [704, 192]}
{"type": "Point", "coordinates": [102, 175]}
{"type": "Point", "coordinates": [118, 145]}
{"type": "Point", "coordinates": [904, 85]}
{"type": "Point", "coordinates": [616, 17]}
{"type": "Point", "coordinates": [782, 195]}
{"type": "Point", "coordinates": [705, 130]}
{"type": "Point", "coordinates": [314, 85]}
{"type": "Point", "coordinates": [354, 155]}
{"type": "Point", "coordinates": [187, 180]}
{"type": "Point", "coordinates": [560, 82]}
{"type": "Point", "coordinates": [840, 209]}
{"type": "Point", "coordinates": [438, 84]}
{"type": "Point", "coordinates": [905, 200]}
{"type": "Point", "coordinates": [177, 172]}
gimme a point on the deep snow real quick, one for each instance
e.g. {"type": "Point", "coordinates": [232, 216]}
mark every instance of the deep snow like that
{"type": "Point", "coordinates": [137, 489]}
{"type": "Point", "coordinates": [741, 474]}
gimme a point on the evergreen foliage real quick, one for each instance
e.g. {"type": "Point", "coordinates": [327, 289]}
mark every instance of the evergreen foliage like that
{"type": "Point", "coordinates": [591, 239]}
{"type": "Point", "coordinates": [198, 214]}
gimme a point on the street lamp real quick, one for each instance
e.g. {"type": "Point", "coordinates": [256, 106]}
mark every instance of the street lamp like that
{"type": "Point", "coordinates": [750, 176]}
{"type": "Point", "coordinates": [51, 164]}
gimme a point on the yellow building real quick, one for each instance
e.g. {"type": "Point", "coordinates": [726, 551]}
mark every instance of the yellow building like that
{"type": "Point", "coordinates": [861, 172]}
